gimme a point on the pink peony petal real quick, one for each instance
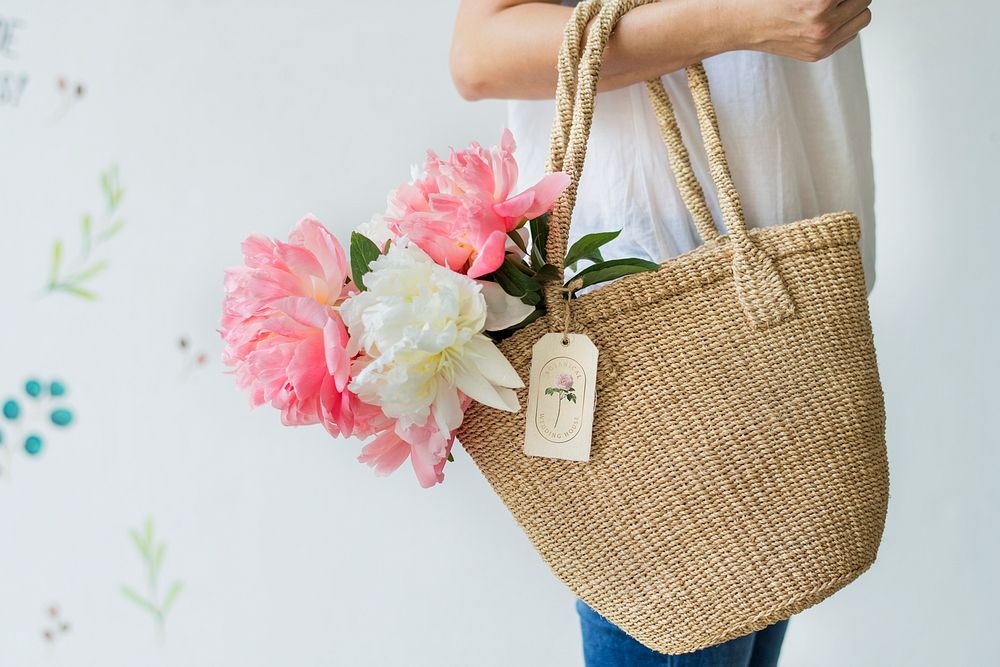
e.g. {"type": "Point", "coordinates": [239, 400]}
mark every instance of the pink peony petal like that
{"type": "Point", "coordinates": [298, 260]}
{"type": "Point", "coordinates": [547, 191]}
{"type": "Point", "coordinates": [536, 200]}
{"type": "Point", "coordinates": [283, 339]}
{"type": "Point", "coordinates": [516, 208]}
{"type": "Point", "coordinates": [428, 452]}
{"type": "Point", "coordinates": [307, 367]}
{"type": "Point", "coordinates": [311, 234]}
{"type": "Point", "coordinates": [385, 453]}
{"type": "Point", "coordinates": [490, 255]}
{"type": "Point", "coordinates": [429, 470]}
{"type": "Point", "coordinates": [453, 208]}
{"type": "Point", "coordinates": [507, 141]}
{"type": "Point", "coordinates": [338, 363]}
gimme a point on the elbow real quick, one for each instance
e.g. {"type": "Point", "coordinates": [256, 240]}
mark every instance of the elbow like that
{"type": "Point", "coordinates": [468, 74]}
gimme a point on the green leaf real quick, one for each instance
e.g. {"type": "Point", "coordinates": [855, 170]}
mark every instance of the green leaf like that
{"type": "Point", "coordinates": [141, 601]}
{"type": "Point", "coordinates": [613, 269]}
{"type": "Point", "coordinates": [77, 291]}
{"type": "Point", "coordinates": [116, 198]}
{"type": "Point", "coordinates": [112, 231]}
{"type": "Point", "coordinates": [138, 541]}
{"type": "Point", "coordinates": [106, 183]}
{"type": "Point", "coordinates": [93, 270]}
{"type": "Point", "coordinates": [111, 186]}
{"type": "Point", "coordinates": [539, 230]}
{"type": "Point", "coordinates": [587, 247]}
{"type": "Point", "coordinates": [517, 283]}
{"type": "Point", "coordinates": [86, 228]}
{"type": "Point", "coordinates": [57, 248]}
{"type": "Point", "coordinates": [363, 253]}
{"type": "Point", "coordinates": [515, 236]}
{"type": "Point", "coordinates": [571, 397]}
{"type": "Point", "coordinates": [170, 598]}
{"type": "Point", "coordinates": [156, 563]}
{"type": "Point", "coordinates": [516, 263]}
{"type": "Point", "coordinates": [532, 298]}
{"type": "Point", "coordinates": [549, 390]}
{"type": "Point", "coordinates": [451, 457]}
{"type": "Point", "coordinates": [546, 273]}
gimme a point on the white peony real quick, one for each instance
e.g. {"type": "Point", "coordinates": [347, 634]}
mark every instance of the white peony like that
{"type": "Point", "coordinates": [376, 229]}
{"type": "Point", "coordinates": [502, 310]}
{"type": "Point", "coordinates": [420, 326]}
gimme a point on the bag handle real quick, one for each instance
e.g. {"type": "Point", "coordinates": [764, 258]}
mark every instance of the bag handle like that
{"type": "Point", "coordinates": [680, 161]}
{"type": "Point", "coordinates": [759, 287]}
{"type": "Point", "coordinates": [569, 60]}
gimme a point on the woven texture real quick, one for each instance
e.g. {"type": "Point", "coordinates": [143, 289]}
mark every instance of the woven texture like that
{"type": "Point", "coordinates": [738, 470]}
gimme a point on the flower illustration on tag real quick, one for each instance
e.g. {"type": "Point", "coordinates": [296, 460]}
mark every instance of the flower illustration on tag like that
{"type": "Point", "coordinates": [559, 412]}
{"type": "Point", "coordinates": [563, 389]}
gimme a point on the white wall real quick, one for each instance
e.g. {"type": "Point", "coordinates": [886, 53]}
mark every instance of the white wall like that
{"type": "Point", "coordinates": [929, 599]}
{"type": "Point", "coordinates": [228, 117]}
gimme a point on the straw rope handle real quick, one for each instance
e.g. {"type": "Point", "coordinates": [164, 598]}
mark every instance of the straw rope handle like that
{"type": "Point", "coordinates": [680, 161]}
{"type": "Point", "coordinates": [760, 289]}
{"type": "Point", "coordinates": [569, 60]}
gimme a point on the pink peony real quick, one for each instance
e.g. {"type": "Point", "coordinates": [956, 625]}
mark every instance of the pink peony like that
{"type": "Point", "coordinates": [460, 211]}
{"type": "Point", "coordinates": [283, 334]}
{"type": "Point", "coordinates": [426, 447]}
{"type": "Point", "coordinates": [564, 381]}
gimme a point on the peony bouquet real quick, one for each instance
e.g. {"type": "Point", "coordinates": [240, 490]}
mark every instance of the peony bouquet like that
{"type": "Point", "coordinates": [392, 341]}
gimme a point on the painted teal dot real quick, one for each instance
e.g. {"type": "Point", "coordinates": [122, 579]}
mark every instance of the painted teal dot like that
{"type": "Point", "coordinates": [33, 388]}
{"type": "Point", "coordinates": [61, 417]}
{"type": "Point", "coordinates": [33, 444]}
{"type": "Point", "coordinates": [57, 388]}
{"type": "Point", "coordinates": [11, 410]}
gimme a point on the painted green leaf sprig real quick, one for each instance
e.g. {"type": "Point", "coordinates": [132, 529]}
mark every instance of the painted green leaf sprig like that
{"type": "Point", "coordinates": [155, 602]}
{"type": "Point", "coordinates": [75, 277]}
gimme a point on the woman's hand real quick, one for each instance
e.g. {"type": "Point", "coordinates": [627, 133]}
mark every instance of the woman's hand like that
{"type": "Point", "coordinates": [807, 30]}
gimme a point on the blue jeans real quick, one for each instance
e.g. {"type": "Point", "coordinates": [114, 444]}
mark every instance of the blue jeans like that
{"type": "Point", "coordinates": [605, 645]}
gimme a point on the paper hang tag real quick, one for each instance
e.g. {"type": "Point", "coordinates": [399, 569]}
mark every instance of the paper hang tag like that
{"type": "Point", "coordinates": [561, 391]}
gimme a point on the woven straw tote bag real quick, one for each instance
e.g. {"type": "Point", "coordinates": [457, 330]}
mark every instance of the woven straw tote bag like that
{"type": "Point", "coordinates": [738, 470]}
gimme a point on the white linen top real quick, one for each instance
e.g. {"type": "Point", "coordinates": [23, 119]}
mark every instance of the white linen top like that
{"type": "Point", "coordinates": [797, 135]}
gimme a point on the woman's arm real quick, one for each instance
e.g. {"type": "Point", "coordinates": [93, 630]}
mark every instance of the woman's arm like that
{"type": "Point", "coordinates": [508, 48]}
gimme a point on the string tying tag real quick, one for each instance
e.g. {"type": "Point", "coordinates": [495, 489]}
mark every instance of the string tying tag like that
{"type": "Point", "coordinates": [567, 292]}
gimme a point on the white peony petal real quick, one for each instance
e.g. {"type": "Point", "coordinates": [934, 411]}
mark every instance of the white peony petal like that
{"type": "Point", "coordinates": [472, 383]}
{"type": "Point", "coordinates": [502, 310]}
{"type": "Point", "coordinates": [447, 409]}
{"type": "Point", "coordinates": [491, 363]}
{"type": "Point", "coordinates": [509, 397]}
{"type": "Point", "coordinates": [420, 327]}
{"type": "Point", "coordinates": [375, 229]}
{"type": "Point", "coordinates": [476, 387]}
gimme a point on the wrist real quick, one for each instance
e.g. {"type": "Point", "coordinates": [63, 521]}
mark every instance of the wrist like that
{"type": "Point", "coordinates": [732, 22]}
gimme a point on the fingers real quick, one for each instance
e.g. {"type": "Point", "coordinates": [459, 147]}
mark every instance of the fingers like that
{"type": "Point", "coordinates": [850, 29]}
{"type": "Point", "coordinates": [847, 10]}
{"type": "Point", "coordinates": [834, 34]}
